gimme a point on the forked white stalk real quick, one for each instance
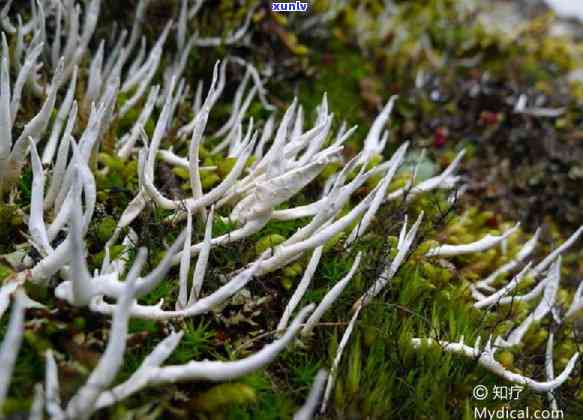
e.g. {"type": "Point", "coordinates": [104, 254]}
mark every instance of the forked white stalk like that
{"type": "Point", "coordinates": [525, 251]}
{"type": "Point", "coordinates": [403, 248]}
{"type": "Point", "coordinates": [487, 242]}
{"type": "Point", "coordinates": [485, 358]}
{"type": "Point", "coordinates": [152, 373]}
{"type": "Point", "coordinates": [83, 403]}
{"type": "Point", "coordinates": [544, 307]}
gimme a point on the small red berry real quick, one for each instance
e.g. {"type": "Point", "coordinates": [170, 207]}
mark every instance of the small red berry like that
{"type": "Point", "coordinates": [440, 137]}
{"type": "Point", "coordinates": [492, 221]}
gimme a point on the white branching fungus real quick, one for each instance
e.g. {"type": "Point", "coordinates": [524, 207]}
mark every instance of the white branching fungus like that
{"type": "Point", "coordinates": [394, 163]}
{"type": "Point", "coordinates": [494, 298]}
{"type": "Point", "coordinates": [544, 307]}
{"type": "Point", "coordinates": [53, 400]}
{"type": "Point", "coordinates": [550, 369]}
{"type": "Point", "coordinates": [541, 268]}
{"type": "Point", "coordinates": [13, 156]}
{"type": "Point", "coordinates": [549, 287]}
{"type": "Point", "coordinates": [375, 142]}
{"type": "Point", "coordinates": [152, 373]}
{"type": "Point", "coordinates": [334, 370]}
{"type": "Point", "coordinates": [483, 244]}
{"type": "Point", "coordinates": [520, 257]}
{"type": "Point", "coordinates": [485, 357]}
{"type": "Point", "coordinates": [406, 239]}
{"type": "Point", "coordinates": [311, 404]}
{"type": "Point", "coordinates": [330, 297]}
{"type": "Point", "coordinates": [577, 304]}
{"type": "Point", "coordinates": [82, 404]}
{"type": "Point", "coordinates": [301, 288]}
{"type": "Point", "coordinates": [11, 344]}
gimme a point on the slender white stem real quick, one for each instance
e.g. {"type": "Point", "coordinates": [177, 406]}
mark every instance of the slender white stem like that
{"type": "Point", "coordinates": [306, 412]}
{"type": "Point", "coordinates": [185, 265]}
{"type": "Point", "coordinates": [486, 359]}
{"type": "Point", "coordinates": [487, 242]}
{"type": "Point", "coordinates": [11, 344]}
{"type": "Point", "coordinates": [213, 371]}
{"type": "Point", "coordinates": [331, 297]}
{"type": "Point", "coordinates": [202, 261]}
{"type": "Point", "coordinates": [83, 403]}
{"type": "Point", "coordinates": [52, 397]}
{"type": "Point", "coordinates": [334, 370]}
{"type": "Point", "coordinates": [544, 307]}
{"type": "Point", "coordinates": [524, 253]}
{"type": "Point", "coordinates": [301, 289]}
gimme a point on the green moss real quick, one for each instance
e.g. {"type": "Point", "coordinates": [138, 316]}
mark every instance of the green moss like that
{"type": "Point", "coordinates": [38, 343]}
{"type": "Point", "coordinates": [105, 228]}
{"type": "Point", "coordinates": [181, 172]}
{"type": "Point", "coordinates": [270, 403]}
{"type": "Point", "coordinates": [268, 242]}
{"type": "Point", "coordinates": [10, 227]}
{"type": "Point", "coordinates": [221, 397]}
{"type": "Point", "coordinates": [196, 341]}
{"type": "Point", "coordinates": [226, 166]}
{"type": "Point", "coordinates": [79, 323]}
{"type": "Point", "coordinates": [294, 270]}
{"type": "Point", "coordinates": [114, 252]}
{"type": "Point", "coordinates": [209, 180]}
{"type": "Point", "coordinates": [4, 272]}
